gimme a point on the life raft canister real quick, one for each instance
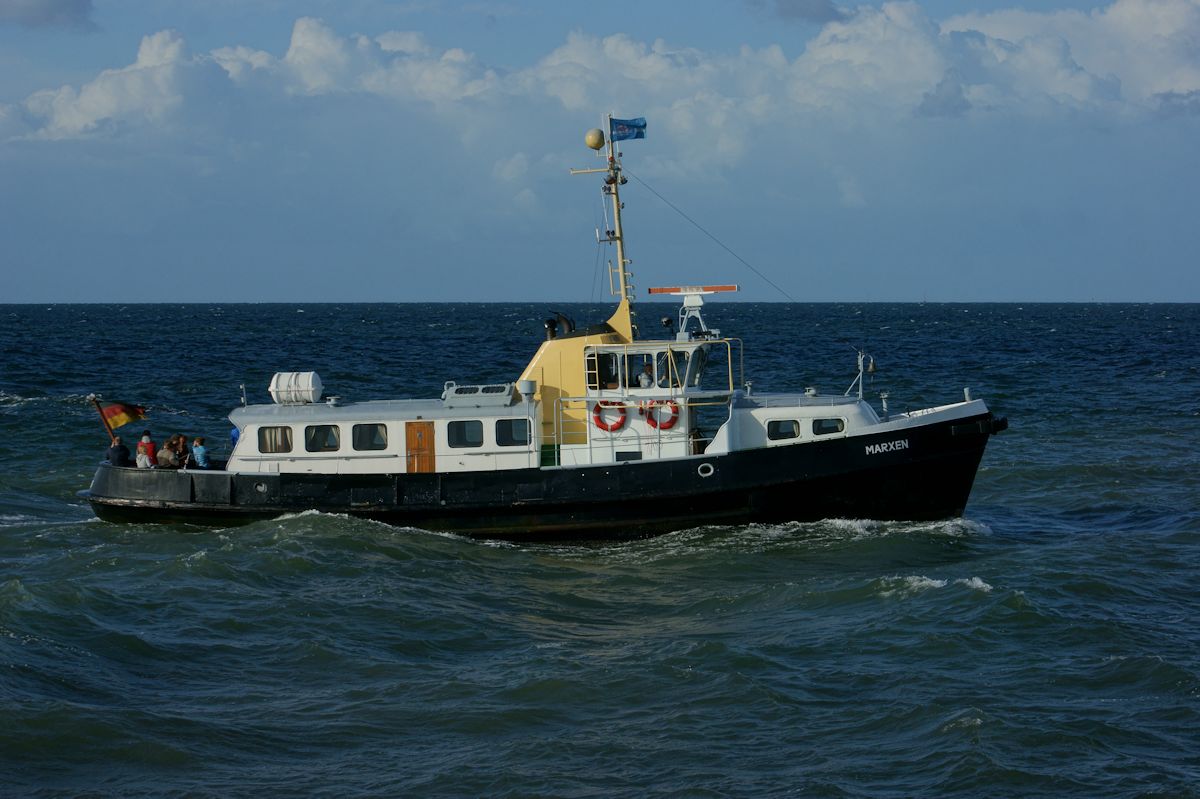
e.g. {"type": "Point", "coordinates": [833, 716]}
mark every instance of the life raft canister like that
{"type": "Point", "coordinates": [598, 418]}
{"type": "Point", "coordinates": [662, 424]}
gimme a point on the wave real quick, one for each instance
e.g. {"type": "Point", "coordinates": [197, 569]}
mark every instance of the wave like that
{"type": "Point", "coordinates": [9, 401]}
{"type": "Point", "coordinates": [904, 586]}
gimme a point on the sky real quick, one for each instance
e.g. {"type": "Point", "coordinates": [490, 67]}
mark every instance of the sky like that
{"type": "Point", "coordinates": [419, 150]}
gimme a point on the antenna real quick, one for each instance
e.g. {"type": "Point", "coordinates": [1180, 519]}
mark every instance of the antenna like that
{"type": "Point", "coordinates": [693, 301]}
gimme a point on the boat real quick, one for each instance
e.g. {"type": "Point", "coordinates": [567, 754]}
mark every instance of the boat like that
{"type": "Point", "coordinates": [607, 433]}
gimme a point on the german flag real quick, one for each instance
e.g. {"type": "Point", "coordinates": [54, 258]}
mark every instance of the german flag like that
{"type": "Point", "coordinates": [119, 414]}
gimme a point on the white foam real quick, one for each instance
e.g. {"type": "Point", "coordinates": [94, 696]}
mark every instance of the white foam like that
{"type": "Point", "coordinates": [951, 528]}
{"type": "Point", "coordinates": [974, 583]}
{"type": "Point", "coordinates": [283, 517]}
{"type": "Point", "coordinates": [16, 400]}
{"type": "Point", "coordinates": [857, 528]}
{"type": "Point", "coordinates": [907, 586]}
{"type": "Point", "coordinates": [963, 723]}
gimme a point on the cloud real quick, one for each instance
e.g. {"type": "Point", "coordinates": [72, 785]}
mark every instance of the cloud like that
{"type": "Point", "coordinates": [819, 11]}
{"type": "Point", "coordinates": [1142, 47]}
{"type": "Point", "coordinates": [865, 66]}
{"type": "Point", "coordinates": [1178, 103]}
{"type": "Point", "coordinates": [587, 70]}
{"type": "Point", "coordinates": [321, 60]}
{"type": "Point", "coordinates": [407, 42]}
{"type": "Point", "coordinates": [513, 168]}
{"type": "Point", "coordinates": [946, 99]}
{"type": "Point", "coordinates": [240, 63]}
{"type": "Point", "coordinates": [147, 91]}
{"type": "Point", "coordinates": [881, 58]}
{"type": "Point", "coordinates": [895, 60]}
{"type": "Point", "coordinates": [48, 13]}
{"type": "Point", "coordinates": [446, 78]}
{"type": "Point", "coordinates": [12, 124]}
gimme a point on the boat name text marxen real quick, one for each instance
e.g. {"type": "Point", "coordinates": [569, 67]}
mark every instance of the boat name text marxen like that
{"type": "Point", "coordinates": [887, 446]}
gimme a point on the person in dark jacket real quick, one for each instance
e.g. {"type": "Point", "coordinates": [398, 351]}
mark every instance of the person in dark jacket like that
{"type": "Point", "coordinates": [118, 453]}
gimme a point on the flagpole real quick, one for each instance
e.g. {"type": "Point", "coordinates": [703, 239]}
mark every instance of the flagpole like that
{"type": "Point", "coordinates": [111, 436]}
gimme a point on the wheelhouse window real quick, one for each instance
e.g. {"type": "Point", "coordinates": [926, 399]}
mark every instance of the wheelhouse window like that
{"type": "Point", "coordinates": [603, 370]}
{"type": "Point", "coordinates": [779, 429]}
{"type": "Point", "coordinates": [273, 440]}
{"type": "Point", "coordinates": [369, 437]}
{"type": "Point", "coordinates": [512, 432]}
{"type": "Point", "coordinates": [640, 370]}
{"type": "Point", "coordinates": [699, 361]}
{"type": "Point", "coordinates": [823, 427]}
{"type": "Point", "coordinates": [465, 433]}
{"type": "Point", "coordinates": [322, 438]}
{"type": "Point", "coordinates": [672, 368]}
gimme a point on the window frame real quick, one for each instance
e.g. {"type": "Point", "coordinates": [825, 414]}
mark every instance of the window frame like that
{"type": "Point", "coordinates": [309, 438]}
{"type": "Point", "coordinates": [510, 441]}
{"type": "Point", "coordinates": [288, 439]}
{"type": "Point", "coordinates": [454, 441]}
{"type": "Point", "coordinates": [354, 437]}
{"type": "Point", "coordinates": [773, 425]}
{"type": "Point", "coordinates": [841, 426]}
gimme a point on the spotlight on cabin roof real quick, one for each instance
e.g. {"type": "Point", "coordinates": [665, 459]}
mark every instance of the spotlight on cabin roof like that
{"type": "Point", "coordinates": [594, 138]}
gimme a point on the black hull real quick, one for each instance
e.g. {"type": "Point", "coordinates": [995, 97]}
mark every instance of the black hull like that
{"type": "Point", "coordinates": [865, 477]}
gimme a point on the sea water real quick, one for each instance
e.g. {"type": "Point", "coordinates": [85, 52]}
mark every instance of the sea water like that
{"type": "Point", "coordinates": [1046, 644]}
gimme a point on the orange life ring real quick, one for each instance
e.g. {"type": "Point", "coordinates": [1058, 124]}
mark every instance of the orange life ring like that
{"type": "Point", "coordinates": [652, 415]}
{"type": "Point", "coordinates": [598, 420]}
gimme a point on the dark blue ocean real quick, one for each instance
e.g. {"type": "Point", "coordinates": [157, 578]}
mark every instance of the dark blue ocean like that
{"type": "Point", "coordinates": [1047, 644]}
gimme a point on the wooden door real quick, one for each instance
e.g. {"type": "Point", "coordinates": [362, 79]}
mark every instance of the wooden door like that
{"type": "Point", "coordinates": [418, 444]}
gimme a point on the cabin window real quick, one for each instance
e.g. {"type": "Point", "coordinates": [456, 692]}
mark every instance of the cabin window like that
{"type": "Point", "coordinates": [639, 370]}
{"type": "Point", "coordinates": [322, 438]}
{"type": "Point", "coordinates": [779, 429]}
{"type": "Point", "coordinates": [512, 432]}
{"type": "Point", "coordinates": [603, 370]}
{"type": "Point", "coordinates": [823, 427]}
{"type": "Point", "coordinates": [711, 368]}
{"type": "Point", "coordinates": [672, 368]}
{"type": "Point", "coordinates": [465, 434]}
{"type": "Point", "coordinates": [274, 439]}
{"type": "Point", "coordinates": [370, 436]}
{"type": "Point", "coordinates": [699, 361]}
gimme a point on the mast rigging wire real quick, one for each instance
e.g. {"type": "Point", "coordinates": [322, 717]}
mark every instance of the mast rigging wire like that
{"type": "Point", "coordinates": [599, 250]}
{"type": "Point", "coordinates": [699, 227]}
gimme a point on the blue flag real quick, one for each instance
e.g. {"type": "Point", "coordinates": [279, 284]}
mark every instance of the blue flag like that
{"type": "Point", "coordinates": [622, 129]}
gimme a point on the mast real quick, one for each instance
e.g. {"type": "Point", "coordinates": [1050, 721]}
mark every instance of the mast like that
{"type": "Point", "coordinates": [612, 184]}
{"type": "Point", "coordinates": [622, 319]}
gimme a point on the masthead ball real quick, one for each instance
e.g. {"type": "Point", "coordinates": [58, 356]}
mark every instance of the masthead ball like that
{"type": "Point", "coordinates": [594, 138]}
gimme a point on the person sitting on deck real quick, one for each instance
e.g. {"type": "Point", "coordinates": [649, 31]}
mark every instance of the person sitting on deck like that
{"type": "Point", "coordinates": [182, 453]}
{"type": "Point", "coordinates": [118, 453]}
{"type": "Point", "coordinates": [168, 457]}
{"type": "Point", "coordinates": [147, 453]}
{"type": "Point", "coordinates": [199, 453]}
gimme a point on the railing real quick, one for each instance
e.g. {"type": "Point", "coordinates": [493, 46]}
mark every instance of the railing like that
{"type": "Point", "coordinates": [798, 400]}
{"type": "Point", "coordinates": [571, 430]}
